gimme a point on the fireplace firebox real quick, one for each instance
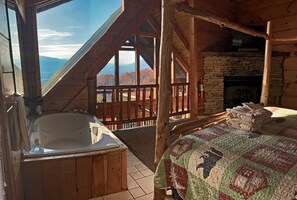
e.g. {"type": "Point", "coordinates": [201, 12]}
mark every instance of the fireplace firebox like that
{"type": "Point", "coordinates": [240, 89]}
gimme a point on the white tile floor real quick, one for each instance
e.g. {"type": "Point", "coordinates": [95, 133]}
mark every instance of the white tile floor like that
{"type": "Point", "coordinates": [140, 182]}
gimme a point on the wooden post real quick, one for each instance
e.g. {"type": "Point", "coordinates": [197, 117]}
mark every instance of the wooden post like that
{"type": "Point", "coordinates": [92, 94]}
{"type": "Point", "coordinates": [162, 126]}
{"type": "Point", "coordinates": [267, 67]}
{"type": "Point", "coordinates": [193, 76]}
{"type": "Point", "coordinates": [156, 63]}
{"type": "Point", "coordinates": [117, 74]}
{"type": "Point", "coordinates": [29, 56]}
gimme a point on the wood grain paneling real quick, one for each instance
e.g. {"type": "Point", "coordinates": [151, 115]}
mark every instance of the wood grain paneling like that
{"type": "Point", "coordinates": [51, 179]}
{"type": "Point", "coordinates": [68, 179]}
{"type": "Point", "coordinates": [261, 11]}
{"type": "Point", "coordinates": [75, 178]}
{"type": "Point", "coordinates": [289, 98]}
{"type": "Point", "coordinates": [124, 170]}
{"type": "Point", "coordinates": [32, 180]}
{"type": "Point", "coordinates": [83, 177]}
{"type": "Point", "coordinates": [99, 175]}
{"type": "Point", "coordinates": [114, 172]}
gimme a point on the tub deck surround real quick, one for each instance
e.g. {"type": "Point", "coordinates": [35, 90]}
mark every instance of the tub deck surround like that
{"type": "Point", "coordinates": [98, 167]}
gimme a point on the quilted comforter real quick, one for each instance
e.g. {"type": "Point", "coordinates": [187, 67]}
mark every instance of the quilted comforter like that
{"type": "Point", "coordinates": [221, 162]}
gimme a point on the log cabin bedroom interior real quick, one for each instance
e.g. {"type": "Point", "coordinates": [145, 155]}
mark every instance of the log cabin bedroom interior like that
{"type": "Point", "coordinates": [148, 99]}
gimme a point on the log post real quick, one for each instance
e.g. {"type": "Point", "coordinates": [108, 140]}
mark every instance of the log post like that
{"type": "Point", "coordinates": [267, 67]}
{"type": "Point", "coordinates": [162, 126]}
{"type": "Point", "coordinates": [194, 62]}
{"type": "Point", "coordinates": [92, 94]}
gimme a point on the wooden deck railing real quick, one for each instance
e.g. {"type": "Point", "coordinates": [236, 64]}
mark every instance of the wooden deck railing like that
{"type": "Point", "coordinates": [120, 105]}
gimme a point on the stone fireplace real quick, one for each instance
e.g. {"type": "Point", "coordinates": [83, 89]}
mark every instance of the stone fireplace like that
{"type": "Point", "coordinates": [233, 78]}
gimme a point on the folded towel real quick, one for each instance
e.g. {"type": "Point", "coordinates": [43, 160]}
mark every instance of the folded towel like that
{"type": "Point", "coordinates": [249, 117]}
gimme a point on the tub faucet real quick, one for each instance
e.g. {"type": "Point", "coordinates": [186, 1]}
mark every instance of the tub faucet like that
{"type": "Point", "coordinates": [80, 111]}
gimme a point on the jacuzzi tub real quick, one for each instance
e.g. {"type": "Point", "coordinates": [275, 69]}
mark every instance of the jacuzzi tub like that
{"type": "Point", "coordinates": [73, 156]}
{"type": "Point", "coordinates": [64, 133]}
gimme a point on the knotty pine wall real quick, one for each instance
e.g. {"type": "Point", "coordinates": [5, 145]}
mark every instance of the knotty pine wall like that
{"type": "Point", "coordinates": [289, 98]}
{"type": "Point", "coordinates": [283, 14]}
{"type": "Point", "coordinates": [210, 37]}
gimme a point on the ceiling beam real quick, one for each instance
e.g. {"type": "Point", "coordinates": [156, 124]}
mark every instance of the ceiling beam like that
{"type": "Point", "coordinates": [181, 60]}
{"type": "Point", "coordinates": [182, 38]}
{"type": "Point", "coordinates": [222, 22]}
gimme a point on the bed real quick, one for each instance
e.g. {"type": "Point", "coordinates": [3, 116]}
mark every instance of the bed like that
{"type": "Point", "coordinates": [221, 162]}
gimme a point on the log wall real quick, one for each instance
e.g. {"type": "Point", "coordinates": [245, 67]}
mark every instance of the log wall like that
{"type": "Point", "coordinates": [289, 98]}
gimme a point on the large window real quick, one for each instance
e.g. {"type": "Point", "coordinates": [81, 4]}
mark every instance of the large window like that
{"type": "Point", "coordinates": [63, 30]}
{"type": "Point", "coordinates": [16, 51]}
{"type": "Point", "coordinates": [106, 77]}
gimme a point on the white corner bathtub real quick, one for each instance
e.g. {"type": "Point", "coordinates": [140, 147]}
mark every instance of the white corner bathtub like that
{"type": "Point", "coordinates": [64, 133]}
{"type": "Point", "coordinates": [71, 154]}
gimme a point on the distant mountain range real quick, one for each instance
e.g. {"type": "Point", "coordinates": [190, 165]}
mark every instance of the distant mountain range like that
{"type": "Point", "coordinates": [109, 68]}
{"type": "Point", "coordinates": [49, 66]}
{"type": "Point", "coordinates": [128, 78]}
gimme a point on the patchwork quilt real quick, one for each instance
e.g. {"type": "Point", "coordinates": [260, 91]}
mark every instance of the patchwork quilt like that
{"type": "Point", "coordinates": [221, 162]}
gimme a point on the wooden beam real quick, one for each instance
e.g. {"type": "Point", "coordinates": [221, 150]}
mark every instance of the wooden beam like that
{"type": "Point", "coordinates": [191, 126]}
{"type": "Point", "coordinates": [182, 38]}
{"type": "Point", "coordinates": [151, 20]}
{"type": "Point", "coordinates": [92, 94]}
{"type": "Point", "coordinates": [29, 56]}
{"type": "Point", "coordinates": [21, 4]}
{"type": "Point", "coordinates": [258, 12]}
{"type": "Point", "coordinates": [137, 58]}
{"type": "Point", "coordinates": [267, 67]}
{"type": "Point", "coordinates": [181, 61]}
{"type": "Point", "coordinates": [285, 40]}
{"type": "Point", "coordinates": [223, 22]}
{"type": "Point", "coordinates": [174, 2]}
{"type": "Point", "coordinates": [164, 95]}
{"type": "Point", "coordinates": [194, 64]}
{"type": "Point", "coordinates": [147, 34]}
{"type": "Point", "coordinates": [156, 59]}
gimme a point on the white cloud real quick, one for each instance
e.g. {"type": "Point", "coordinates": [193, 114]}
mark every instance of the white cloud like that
{"type": "Point", "coordinates": [74, 27]}
{"type": "Point", "coordinates": [52, 34]}
{"type": "Point", "coordinates": [59, 51]}
{"type": "Point", "coordinates": [127, 57]}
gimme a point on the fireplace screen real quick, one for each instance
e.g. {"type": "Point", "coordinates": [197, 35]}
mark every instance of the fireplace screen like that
{"type": "Point", "coordinates": [240, 89]}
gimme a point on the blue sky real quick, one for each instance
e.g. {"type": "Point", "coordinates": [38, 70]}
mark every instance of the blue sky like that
{"type": "Point", "coordinates": [64, 29]}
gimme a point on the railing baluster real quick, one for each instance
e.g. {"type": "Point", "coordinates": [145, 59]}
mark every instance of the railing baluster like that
{"type": "Point", "coordinates": [104, 105]}
{"type": "Point", "coordinates": [143, 102]}
{"type": "Point", "coordinates": [188, 97]}
{"type": "Point", "coordinates": [157, 98]}
{"type": "Point", "coordinates": [121, 104]}
{"type": "Point", "coordinates": [112, 103]}
{"type": "Point", "coordinates": [176, 98]}
{"type": "Point", "coordinates": [172, 97]}
{"type": "Point", "coordinates": [183, 98]}
{"type": "Point", "coordinates": [151, 101]}
{"type": "Point", "coordinates": [137, 102]}
{"type": "Point", "coordinates": [129, 103]}
{"type": "Point", "coordinates": [116, 109]}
